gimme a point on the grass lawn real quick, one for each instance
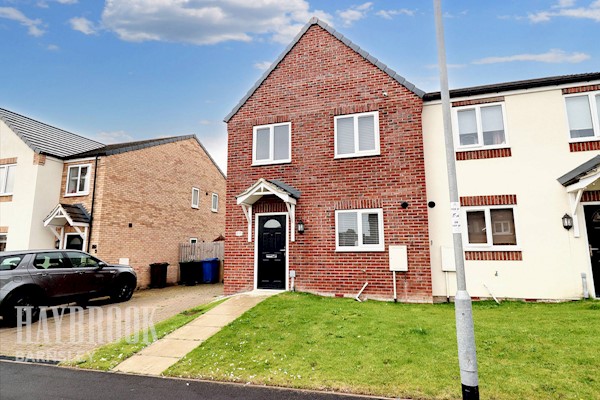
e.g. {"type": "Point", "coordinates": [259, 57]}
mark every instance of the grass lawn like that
{"type": "Point", "coordinates": [110, 355]}
{"type": "Point", "coordinates": [525, 350]}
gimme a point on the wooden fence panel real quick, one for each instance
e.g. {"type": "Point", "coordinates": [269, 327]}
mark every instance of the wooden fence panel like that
{"type": "Point", "coordinates": [200, 251]}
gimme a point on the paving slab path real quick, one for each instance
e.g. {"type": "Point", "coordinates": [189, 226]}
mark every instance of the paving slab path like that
{"type": "Point", "coordinates": [163, 353]}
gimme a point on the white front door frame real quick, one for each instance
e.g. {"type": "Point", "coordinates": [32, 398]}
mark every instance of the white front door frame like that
{"type": "Point", "coordinates": [589, 273]}
{"type": "Point", "coordinates": [64, 243]}
{"type": "Point", "coordinates": [287, 246]}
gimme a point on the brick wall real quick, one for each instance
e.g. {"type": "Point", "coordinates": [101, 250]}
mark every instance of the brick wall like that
{"type": "Point", "coordinates": [318, 79]}
{"type": "Point", "coordinates": [151, 189]}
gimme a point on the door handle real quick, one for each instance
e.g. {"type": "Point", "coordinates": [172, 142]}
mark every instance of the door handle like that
{"type": "Point", "coordinates": [42, 273]}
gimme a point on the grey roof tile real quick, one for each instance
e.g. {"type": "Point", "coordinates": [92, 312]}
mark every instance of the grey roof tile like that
{"type": "Point", "coordinates": [576, 174]}
{"type": "Point", "coordinates": [46, 139]}
{"type": "Point", "coordinates": [340, 37]}
{"type": "Point", "coordinates": [295, 193]}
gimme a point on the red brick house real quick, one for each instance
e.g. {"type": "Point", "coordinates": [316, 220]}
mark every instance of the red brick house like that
{"type": "Point", "coordinates": [326, 176]}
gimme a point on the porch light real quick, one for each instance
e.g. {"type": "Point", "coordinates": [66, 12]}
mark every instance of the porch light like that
{"type": "Point", "coordinates": [567, 221]}
{"type": "Point", "coordinates": [300, 226]}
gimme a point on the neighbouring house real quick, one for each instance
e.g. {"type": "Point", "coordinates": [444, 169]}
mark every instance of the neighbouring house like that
{"type": "Point", "coordinates": [328, 143]}
{"type": "Point", "coordinates": [337, 178]}
{"type": "Point", "coordinates": [527, 155]}
{"type": "Point", "coordinates": [133, 203]}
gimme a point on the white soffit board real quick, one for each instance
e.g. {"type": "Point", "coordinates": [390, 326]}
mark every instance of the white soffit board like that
{"type": "Point", "coordinates": [398, 258]}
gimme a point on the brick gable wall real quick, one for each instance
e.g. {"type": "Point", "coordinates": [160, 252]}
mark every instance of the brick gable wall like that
{"type": "Point", "coordinates": [152, 189]}
{"type": "Point", "coordinates": [319, 79]}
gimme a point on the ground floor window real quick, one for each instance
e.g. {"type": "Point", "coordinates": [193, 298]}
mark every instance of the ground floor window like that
{"type": "Point", "coordinates": [359, 230]}
{"type": "Point", "coordinates": [3, 240]}
{"type": "Point", "coordinates": [491, 226]}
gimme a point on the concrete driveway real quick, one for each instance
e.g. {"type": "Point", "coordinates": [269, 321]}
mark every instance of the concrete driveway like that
{"type": "Point", "coordinates": [67, 333]}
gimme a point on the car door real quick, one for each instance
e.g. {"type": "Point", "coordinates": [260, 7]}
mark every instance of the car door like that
{"type": "Point", "coordinates": [53, 274]}
{"type": "Point", "coordinates": [95, 275]}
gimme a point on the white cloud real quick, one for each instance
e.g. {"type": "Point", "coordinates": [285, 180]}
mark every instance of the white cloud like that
{"type": "Point", "coordinates": [112, 137]}
{"type": "Point", "coordinates": [263, 65]}
{"type": "Point", "coordinates": [566, 9]}
{"type": "Point", "coordinates": [449, 66]}
{"type": "Point", "coordinates": [67, 1]}
{"type": "Point", "coordinates": [204, 22]}
{"type": "Point", "coordinates": [554, 56]}
{"type": "Point", "coordinates": [390, 14]}
{"type": "Point", "coordinates": [354, 13]}
{"type": "Point", "coordinates": [83, 25]}
{"type": "Point", "coordinates": [52, 47]}
{"type": "Point", "coordinates": [33, 25]}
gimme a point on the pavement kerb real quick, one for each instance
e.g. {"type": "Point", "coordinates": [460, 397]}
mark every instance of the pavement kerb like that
{"type": "Point", "coordinates": [167, 351]}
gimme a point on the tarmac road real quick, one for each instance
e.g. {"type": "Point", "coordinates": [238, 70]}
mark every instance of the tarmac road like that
{"type": "Point", "coordinates": [33, 381]}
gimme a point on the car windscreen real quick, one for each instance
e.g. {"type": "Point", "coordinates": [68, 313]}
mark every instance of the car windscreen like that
{"type": "Point", "coordinates": [8, 263]}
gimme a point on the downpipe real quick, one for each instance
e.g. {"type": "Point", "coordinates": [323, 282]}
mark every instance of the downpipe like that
{"type": "Point", "coordinates": [467, 356]}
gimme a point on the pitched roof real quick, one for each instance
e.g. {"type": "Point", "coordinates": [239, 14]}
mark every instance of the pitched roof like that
{"type": "Point", "coordinates": [341, 38]}
{"type": "Point", "coordinates": [295, 193]}
{"type": "Point", "coordinates": [46, 139]}
{"type": "Point", "coordinates": [516, 85]}
{"type": "Point", "coordinates": [77, 212]}
{"type": "Point", "coordinates": [576, 174]}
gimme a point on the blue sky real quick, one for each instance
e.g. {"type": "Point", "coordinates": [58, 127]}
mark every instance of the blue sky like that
{"type": "Point", "coordinates": [121, 70]}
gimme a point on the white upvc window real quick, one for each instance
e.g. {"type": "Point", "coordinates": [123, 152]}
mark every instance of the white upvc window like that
{"type": "Point", "coordinates": [490, 228]}
{"type": "Point", "coordinates": [356, 135]}
{"type": "Point", "coordinates": [193, 240]}
{"type": "Point", "coordinates": [583, 115]}
{"type": "Point", "coordinates": [195, 197]}
{"type": "Point", "coordinates": [7, 179]}
{"type": "Point", "coordinates": [214, 203]}
{"type": "Point", "coordinates": [359, 230]}
{"type": "Point", "coordinates": [272, 144]}
{"type": "Point", "coordinates": [78, 180]}
{"type": "Point", "coordinates": [480, 126]}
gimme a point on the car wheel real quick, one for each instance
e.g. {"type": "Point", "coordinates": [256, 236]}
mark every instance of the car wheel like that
{"type": "Point", "coordinates": [122, 291]}
{"type": "Point", "coordinates": [20, 306]}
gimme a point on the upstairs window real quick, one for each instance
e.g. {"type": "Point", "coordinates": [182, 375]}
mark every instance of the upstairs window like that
{"type": "Point", "coordinates": [271, 144]}
{"type": "Point", "coordinates": [7, 179]}
{"type": "Point", "coordinates": [195, 197]}
{"type": "Point", "coordinates": [359, 230]}
{"type": "Point", "coordinates": [491, 226]}
{"type": "Point", "coordinates": [480, 126]}
{"type": "Point", "coordinates": [583, 113]}
{"type": "Point", "coordinates": [215, 203]}
{"type": "Point", "coordinates": [78, 180]}
{"type": "Point", "coordinates": [356, 135]}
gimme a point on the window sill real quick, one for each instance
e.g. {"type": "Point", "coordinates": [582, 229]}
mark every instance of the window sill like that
{"type": "Point", "coordinates": [475, 148]}
{"type": "Point", "coordinates": [359, 250]}
{"type": "Point", "coordinates": [584, 139]}
{"type": "Point", "coordinates": [260, 164]}
{"type": "Point", "coordinates": [195, 207]}
{"type": "Point", "coordinates": [215, 211]}
{"type": "Point", "coordinates": [355, 155]}
{"type": "Point", "coordinates": [76, 194]}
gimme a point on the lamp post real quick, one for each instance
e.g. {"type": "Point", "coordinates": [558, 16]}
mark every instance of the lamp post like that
{"type": "Point", "coordinates": [465, 332]}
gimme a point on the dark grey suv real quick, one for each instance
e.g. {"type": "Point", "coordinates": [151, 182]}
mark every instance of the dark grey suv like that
{"type": "Point", "coordinates": [48, 277]}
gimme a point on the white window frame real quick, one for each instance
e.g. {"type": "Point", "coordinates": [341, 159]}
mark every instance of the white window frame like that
{"type": "Point", "coordinates": [593, 109]}
{"type": "Point", "coordinates": [361, 247]}
{"type": "Point", "coordinates": [193, 240]}
{"type": "Point", "coordinates": [480, 145]}
{"type": "Point", "coordinates": [212, 203]}
{"type": "Point", "coordinates": [4, 179]}
{"type": "Point", "coordinates": [489, 246]}
{"type": "Point", "coordinates": [271, 159]}
{"type": "Point", "coordinates": [86, 190]}
{"type": "Point", "coordinates": [197, 205]}
{"type": "Point", "coordinates": [357, 153]}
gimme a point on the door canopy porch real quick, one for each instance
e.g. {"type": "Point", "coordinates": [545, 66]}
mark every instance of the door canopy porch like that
{"type": "Point", "coordinates": [73, 214]}
{"type": "Point", "coordinates": [583, 178]}
{"type": "Point", "coordinates": [272, 187]}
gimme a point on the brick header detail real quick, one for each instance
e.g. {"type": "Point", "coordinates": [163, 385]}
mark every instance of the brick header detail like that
{"type": "Point", "coordinates": [39, 159]}
{"type": "Point", "coordinates": [592, 195]}
{"type": "Point", "coordinates": [581, 89]}
{"type": "Point", "coordinates": [6, 161]}
{"type": "Point", "coordinates": [3, 229]}
{"type": "Point", "coordinates": [358, 204]}
{"type": "Point", "coordinates": [483, 154]}
{"type": "Point", "coordinates": [493, 256]}
{"type": "Point", "coordinates": [495, 200]}
{"type": "Point", "coordinates": [477, 101]}
{"type": "Point", "coordinates": [6, 199]}
{"type": "Point", "coordinates": [584, 146]}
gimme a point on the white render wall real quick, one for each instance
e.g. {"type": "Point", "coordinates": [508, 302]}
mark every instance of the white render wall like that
{"type": "Point", "coordinates": [35, 194]}
{"type": "Point", "coordinates": [553, 259]}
